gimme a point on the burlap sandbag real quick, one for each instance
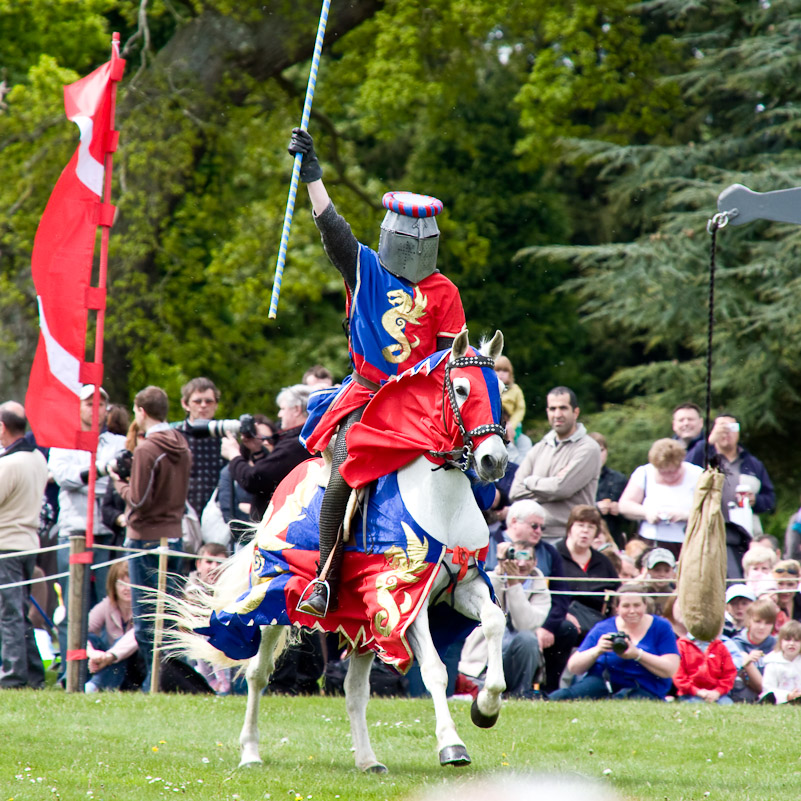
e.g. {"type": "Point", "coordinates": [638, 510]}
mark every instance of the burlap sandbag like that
{"type": "Point", "coordinates": [702, 567]}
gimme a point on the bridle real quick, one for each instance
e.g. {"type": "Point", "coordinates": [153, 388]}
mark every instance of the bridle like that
{"type": "Point", "coordinates": [461, 458]}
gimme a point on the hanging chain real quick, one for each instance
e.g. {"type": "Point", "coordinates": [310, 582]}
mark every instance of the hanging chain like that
{"type": "Point", "coordinates": [720, 220]}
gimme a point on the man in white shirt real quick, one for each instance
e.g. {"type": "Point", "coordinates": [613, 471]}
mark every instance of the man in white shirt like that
{"type": "Point", "coordinates": [70, 470]}
{"type": "Point", "coordinates": [522, 593]}
{"type": "Point", "coordinates": [23, 475]}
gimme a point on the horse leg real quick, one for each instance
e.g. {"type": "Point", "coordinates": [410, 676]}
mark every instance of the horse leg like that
{"type": "Point", "coordinates": [357, 694]}
{"type": "Point", "coordinates": [452, 750]}
{"type": "Point", "coordinates": [473, 600]}
{"type": "Point", "coordinates": [257, 674]}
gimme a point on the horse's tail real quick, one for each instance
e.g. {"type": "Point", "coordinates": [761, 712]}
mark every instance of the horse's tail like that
{"type": "Point", "coordinates": [191, 610]}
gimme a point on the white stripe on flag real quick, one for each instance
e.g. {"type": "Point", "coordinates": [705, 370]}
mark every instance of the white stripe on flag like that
{"type": "Point", "coordinates": [89, 169]}
{"type": "Point", "coordinates": [63, 365]}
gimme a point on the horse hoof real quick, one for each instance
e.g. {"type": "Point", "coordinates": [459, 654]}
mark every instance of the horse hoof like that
{"type": "Point", "coordinates": [480, 719]}
{"type": "Point", "coordinates": [250, 763]}
{"type": "Point", "coordinates": [455, 755]}
{"type": "Point", "coordinates": [376, 768]}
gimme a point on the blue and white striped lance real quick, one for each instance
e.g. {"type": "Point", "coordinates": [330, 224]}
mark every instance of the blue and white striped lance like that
{"type": "Point", "coordinates": [293, 185]}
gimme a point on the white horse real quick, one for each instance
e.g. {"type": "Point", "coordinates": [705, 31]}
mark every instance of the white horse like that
{"type": "Point", "coordinates": [442, 503]}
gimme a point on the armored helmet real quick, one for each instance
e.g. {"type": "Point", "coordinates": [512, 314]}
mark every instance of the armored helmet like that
{"type": "Point", "coordinates": [407, 246]}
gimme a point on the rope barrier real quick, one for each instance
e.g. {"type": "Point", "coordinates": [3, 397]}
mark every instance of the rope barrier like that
{"type": "Point", "coordinates": [638, 580]}
{"type": "Point", "coordinates": [132, 553]}
{"type": "Point", "coordinates": [598, 594]}
{"type": "Point", "coordinates": [10, 554]}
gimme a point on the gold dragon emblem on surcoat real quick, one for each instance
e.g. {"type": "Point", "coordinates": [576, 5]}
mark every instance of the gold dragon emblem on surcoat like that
{"type": "Point", "coordinates": [405, 310]}
{"type": "Point", "coordinates": [404, 566]}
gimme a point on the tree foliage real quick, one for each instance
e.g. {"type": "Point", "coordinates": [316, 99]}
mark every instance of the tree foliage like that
{"type": "Point", "coordinates": [578, 147]}
{"type": "Point", "coordinates": [202, 180]}
{"type": "Point", "coordinates": [646, 278]}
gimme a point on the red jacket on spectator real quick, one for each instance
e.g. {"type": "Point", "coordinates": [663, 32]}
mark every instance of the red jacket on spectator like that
{"type": "Point", "coordinates": [712, 669]}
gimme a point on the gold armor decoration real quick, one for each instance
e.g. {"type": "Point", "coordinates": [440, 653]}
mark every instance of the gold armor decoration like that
{"type": "Point", "coordinates": [404, 310]}
{"type": "Point", "coordinates": [405, 564]}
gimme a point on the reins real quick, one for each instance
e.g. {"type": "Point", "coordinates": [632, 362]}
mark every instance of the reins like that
{"type": "Point", "coordinates": [461, 458]}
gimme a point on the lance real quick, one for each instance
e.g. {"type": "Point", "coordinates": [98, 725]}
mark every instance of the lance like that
{"type": "Point", "coordinates": [293, 185]}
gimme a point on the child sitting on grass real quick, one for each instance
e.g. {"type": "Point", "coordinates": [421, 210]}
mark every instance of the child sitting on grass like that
{"type": "Point", "coordinates": [706, 671]}
{"type": "Point", "coordinates": [782, 681]}
{"type": "Point", "coordinates": [752, 643]}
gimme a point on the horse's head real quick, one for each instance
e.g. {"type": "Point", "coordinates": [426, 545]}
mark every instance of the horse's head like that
{"type": "Point", "coordinates": [474, 396]}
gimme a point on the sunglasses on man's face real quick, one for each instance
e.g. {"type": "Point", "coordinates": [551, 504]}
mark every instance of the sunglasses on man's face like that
{"type": "Point", "coordinates": [790, 571]}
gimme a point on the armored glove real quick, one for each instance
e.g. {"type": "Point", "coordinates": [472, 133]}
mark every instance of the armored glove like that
{"type": "Point", "coordinates": [301, 142]}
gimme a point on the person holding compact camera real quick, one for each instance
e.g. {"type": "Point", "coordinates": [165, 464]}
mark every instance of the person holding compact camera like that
{"type": "Point", "coordinates": [631, 655]}
{"type": "Point", "coordinates": [112, 508]}
{"type": "Point", "coordinates": [522, 592]}
{"type": "Point", "coordinates": [70, 470]}
{"type": "Point", "coordinates": [735, 461]}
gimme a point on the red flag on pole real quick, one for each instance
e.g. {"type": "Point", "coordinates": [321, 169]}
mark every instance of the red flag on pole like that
{"type": "Point", "coordinates": [63, 252]}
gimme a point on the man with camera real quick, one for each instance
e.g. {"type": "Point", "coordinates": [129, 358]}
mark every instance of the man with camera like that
{"type": "Point", "coordinates": [199, 398]}
{"type": "Point", "coordinates": [259, 471]}
{"type": "Point", "coordinates": [734, 461]}
{"type": "Point", "coordinates": [522, 593]}
{"type": "Point", "coordinates": [155, 497]}
{"type": "Point", "coordinates": [70, 470]}
{"type": "Point", "coordinates": [559, 633]}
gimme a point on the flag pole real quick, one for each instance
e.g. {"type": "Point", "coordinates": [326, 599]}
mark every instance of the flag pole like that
{"type": "Point", "coordinates": [106, 221]}
{"type": "Point", "coordinates": [293, 184]}
{"type": "Point", "coordinates": [81, 553]}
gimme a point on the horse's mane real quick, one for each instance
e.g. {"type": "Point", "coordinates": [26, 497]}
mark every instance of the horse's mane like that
{"type": "Point", "coordinates": [484, 346]}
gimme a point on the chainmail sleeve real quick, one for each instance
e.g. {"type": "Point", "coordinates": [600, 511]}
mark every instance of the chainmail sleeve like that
{"type": "Point", "coordinates": [339, 242]}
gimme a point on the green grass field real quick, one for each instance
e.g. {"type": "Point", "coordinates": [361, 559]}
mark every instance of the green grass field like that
{"type": "Point", "coordinates": [132, 746]}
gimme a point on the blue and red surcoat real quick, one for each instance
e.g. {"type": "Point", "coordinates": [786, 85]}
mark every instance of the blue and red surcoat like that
{"type": "Point", "coordinates": [386, 578]}
{"type": "Point", "coordinates": [393, 325]}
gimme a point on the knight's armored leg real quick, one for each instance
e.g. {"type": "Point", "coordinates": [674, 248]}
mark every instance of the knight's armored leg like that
{"type": "Point", "coordinates": [332, 511]}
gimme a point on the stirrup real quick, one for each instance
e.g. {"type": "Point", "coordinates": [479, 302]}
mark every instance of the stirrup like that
{"type": "Point", "coordinates": [304, 607]}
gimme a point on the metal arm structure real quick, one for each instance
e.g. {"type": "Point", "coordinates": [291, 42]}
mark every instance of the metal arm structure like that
{"type": "Point", "coordinates": [739, 205]}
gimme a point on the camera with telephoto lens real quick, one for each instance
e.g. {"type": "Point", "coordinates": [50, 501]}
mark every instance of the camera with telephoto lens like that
{"type": "Point", "coordinates": [620, 642]}
{"type": "Point", "coordinates": [245, 426]}
{"type": "Point", "coordinates": [519, 554]}
{"type": "Point", "coordinates": [121, 464]}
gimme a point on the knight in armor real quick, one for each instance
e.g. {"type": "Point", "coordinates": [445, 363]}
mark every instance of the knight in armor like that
{"type": "Point", "coordinates": [400, 309]}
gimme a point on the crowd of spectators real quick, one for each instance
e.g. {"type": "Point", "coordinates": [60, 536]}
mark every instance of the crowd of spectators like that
{"type": "Point", "coordinates": [152, 479]}
{"type": "Point", "coordinates": [583, 558]}
{"type": "Point", "coordinates": [595, 553]}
